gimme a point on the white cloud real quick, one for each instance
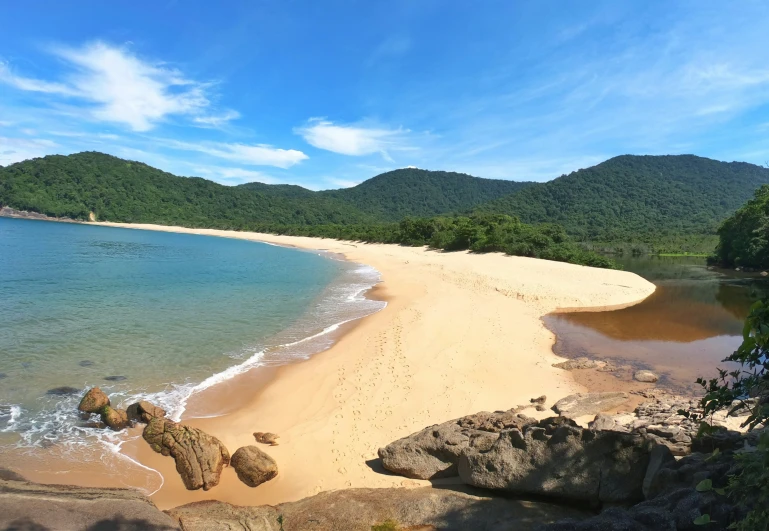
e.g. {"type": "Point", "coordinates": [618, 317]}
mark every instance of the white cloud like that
{"type": "Point", "coordinates": [217, 120]}
{"type": "Point", "coordinates": [350, 139]}
{"type": "Point", "coordinates": [13, 150]}
{"type": "Point", "coordinates": [123, 88]}
{"type": "Point", "coordinates": [254, 155]}
{"type": "Point", "coordinates": [240, 175]}
{"type": "Point", "coordinates": [342, 183]}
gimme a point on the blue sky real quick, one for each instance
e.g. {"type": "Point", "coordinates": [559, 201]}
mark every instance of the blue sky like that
{"type": "Point", "coordinates": [327, 94]}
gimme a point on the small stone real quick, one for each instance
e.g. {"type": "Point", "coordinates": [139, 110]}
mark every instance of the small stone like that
{"type": "Point", "coordinates": [117, 378]}
{"type": "Point", "coordinates": [577, 363]}
{"type": "Point", "coordinates": [86, 363]}
{"type": "Point", "coordinates": [266, 438]}
{"type": "Point", "coordinates": [645, 376]}
{"type": "Point", "coordinates": [253, 466]}
{"type": "Point", "coordinates": [93, 401]}
{"type": "Point", "coordinates": [539, 400]}
{"type": "Point", "coordinates": [540, 407]}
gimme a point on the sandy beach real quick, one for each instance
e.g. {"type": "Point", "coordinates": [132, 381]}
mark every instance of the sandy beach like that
{"type": "Point", "coordinates": [460, 334]}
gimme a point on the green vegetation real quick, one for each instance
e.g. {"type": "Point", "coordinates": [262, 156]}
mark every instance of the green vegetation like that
{"type": "Point", "coordinates": [747, 386]}
{"type": "Point", "coordinates": [744, 237]}
{"type": "Point", "coordinates": [397, 194]}
{"type": "Point", "coordinates": [661, 203]}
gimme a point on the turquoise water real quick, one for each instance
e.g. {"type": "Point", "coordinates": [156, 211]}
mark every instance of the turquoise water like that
{"type": "Point", "coordinates": [151, 314]}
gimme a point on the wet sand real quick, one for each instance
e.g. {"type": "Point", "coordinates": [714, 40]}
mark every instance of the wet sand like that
{"type": "Point", "coordinates": [461, 333]}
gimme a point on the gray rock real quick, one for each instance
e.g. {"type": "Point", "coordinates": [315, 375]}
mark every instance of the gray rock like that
{"type": "Point", "coordinates": [602, 422]}
{"type": "Point", "coordinates": [199, 457]}
{"type": "Point", "coordinates": [265, 437]}
{"type": "Point", "coordinates": [557, 458]}
{"type": "Point", "coordinates": [63, 391]}
{"type": "Point", "coordinates": [360, 509]}
{"type": "Point", "coordinates": [659, 458]}
{"type": "Point", "coordinates": [434, 452]}
{"type": "Point", "coordinates": [588, 403]}
{"type": "Point", "coordinates": [645, 376]}
{"type": "Point", "coordinates": [577, 363]}
{"type": "Point", "coordinates": [253, 466]}
{"type": "Point", "coordinates": [32, 507]}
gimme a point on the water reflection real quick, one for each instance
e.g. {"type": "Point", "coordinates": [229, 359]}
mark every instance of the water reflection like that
{"type": "Point", "coordinates": [682, 331]}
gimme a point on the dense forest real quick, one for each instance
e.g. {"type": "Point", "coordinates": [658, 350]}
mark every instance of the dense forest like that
{"type": "Point", "coordinates": [666, 202]}
{"type": "Point", "coordinates": [630, 203]}
{"type": "Point", "coordinates": [744, 237]}
{"type": "Point", "coordinates": [396, 194]}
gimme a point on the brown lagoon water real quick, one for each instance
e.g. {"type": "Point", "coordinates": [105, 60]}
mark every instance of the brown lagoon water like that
{"type": "Point", "coordinates": [692, 322]}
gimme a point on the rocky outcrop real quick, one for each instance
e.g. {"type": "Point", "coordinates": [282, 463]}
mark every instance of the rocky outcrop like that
{"type": "Point", "coordinates": [266, 438]}
{"type": "Point", "coordinates": [578, 363]}
{"type": "Point", "coordinates": [253, 466]}
{"type": "Point", "coordinates": [557, 458]}
{"type": "Point", "coordinates": [93, 401]}
{"type": "Point", "coordinates": [199, 457]}
{"type": "Point", "coordinates": [33, 507]}
{"type": "Point", "coordinates": [144, 411]}
{"type": "Point", "coordinates": [580, 404]}
{"type": "Point", "coordinates": [434, 452]}
{"type": "Point", "coordinates": [360, 509]}
{"type": "Point", "coordinates": [115, 419]}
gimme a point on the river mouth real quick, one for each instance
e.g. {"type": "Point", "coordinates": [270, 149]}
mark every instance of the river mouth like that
{"type": "Point", "coordinates": [681, 332]}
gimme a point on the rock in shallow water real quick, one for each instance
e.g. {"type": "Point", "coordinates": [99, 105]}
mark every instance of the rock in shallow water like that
{"type": "Point", "coordinates": [116, 419]}
{"type": "Point", "coordinates": [199, 457]}
{"type": "Point", "coordinates": [62, 391]}
{"type": "Point", "coordinates": [588, 403]}
{"type": "Point", "coordinates": [93, 401]}
{"type": "Point", "coordinates": [253, 466]}
{"type": "Point", "coordinates": [144, 411]}
{"type": "Point", "coordinates": [645, 376]}
{"type": "Point", "coordinates": [577, 363]}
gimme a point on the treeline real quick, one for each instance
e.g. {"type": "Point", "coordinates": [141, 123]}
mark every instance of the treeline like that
{"type": "Point", "coordinates": [478, 233]}
{"type": "Point", "coordinates": [744, 237]}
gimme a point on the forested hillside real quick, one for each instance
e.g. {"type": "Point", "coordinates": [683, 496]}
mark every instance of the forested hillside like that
{"type": "Point", "coordinates": [744, 237]}
{"type": "Point", "coordinates": [638, 198]}
{"type": "Point", "coordinates": [119, 190]}
{"type": "Point", "coordinates": [396, 194]}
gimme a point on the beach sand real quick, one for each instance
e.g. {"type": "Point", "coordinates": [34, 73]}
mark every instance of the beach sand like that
{"type": "Point", "coordinates": [461, 333]}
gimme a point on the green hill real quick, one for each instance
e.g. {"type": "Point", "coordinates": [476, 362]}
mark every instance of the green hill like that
{"type": "Point", "coordinates": [397, 194]}
{"type": "Point", "coordinates": [744, 236]}
{"type": "Point", "coordinates": [125, 191]}
{"type": "Point", "coordinates": [638, 198]}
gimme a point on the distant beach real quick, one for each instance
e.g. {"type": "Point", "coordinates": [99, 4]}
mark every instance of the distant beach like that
{"type": "Point", "coordinates": [461, 333]}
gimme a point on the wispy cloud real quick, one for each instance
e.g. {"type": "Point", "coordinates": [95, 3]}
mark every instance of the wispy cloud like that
{"type": "Point", "coordinates": [14, 150]}
{"type": "Point", "coordinates": [351, 140]}
{"type": "Point", "coordinates": [232, 175]}
{"type": "Point", "coordinates": [119, 87]}
{"type": "Point", "coordinates": [253, 155]}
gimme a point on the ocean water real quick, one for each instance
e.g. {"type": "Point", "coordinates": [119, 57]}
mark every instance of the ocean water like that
{"type": "Point", "coordinates": [152, 315]}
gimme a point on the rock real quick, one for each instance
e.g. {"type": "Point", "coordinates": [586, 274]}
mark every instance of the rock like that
{"type": "Point", "coordinates": [116, 378]}
{"type": "Point", "coordinates": [559, 459]}
{"type": "Point", "coordinates": [764, 273]}
{"type": "Point", "coordinates": [434, 452]}
{"type": "Point", "coordinates": [360, 509]}
{"type": "Point", "coordinates": [602, 422]}
{"type": "Point", "coordinates": [253, 466]}
{"type": "Point", "coordinates": [659, 458]}
{"type": "Point", "coordinates": [144, 411]}
{"type": "Point", "coordinates": [588, 403]}
{"type": "Point", "coordinates": [540, 407]}
{"type": "Point", "coordinates": [62, 391]}
{"type": "Point", "coordinates": [115, 419]}
{"type": "Point", "coordinates": [266, 438]}
{"type": "Point", "coordinates": [577, 363]}
{"type": "Point", "coordinates": [32, 507]}
{"type": "Point", "coordinates": [86, 363]}
{"type": "Point", "coordinates": [645, 376]}
{"type": "Point", "coordinates": [3, 376]}
{"type": "Point", "coordinates": [539, 400]}
{"type": "Point", "coordinates": [199, 457]}
{"type": "Point", "coordinates": [93, 401]}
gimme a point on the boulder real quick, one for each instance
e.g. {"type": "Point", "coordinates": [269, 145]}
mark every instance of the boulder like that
{"type": "Point", "coordinates": [266, 438]}
{"type": "Point", "coordinates": [539, 400]}
{"type": "Point", "coordinates": [362, 509]}
{"type": "Point", "coordinates": [577, 363]}
{"type": "Point", "coordinates": [93, 401]}
{"type": "Point", "coordinates": [559, 459]}
{"type": "Point", "coordinates": [144, 411]}
{"type": "Point", "coordinates": [588, 403]}
{"type": "Point", "coordinates": [645, 376]}
{"type": "Point", "coordinates": [434, 452]}
{"type": "Point", "coordinates": [199, 457]}
{"type": "Point", "coordinates": [602, 422]}
{"type": "Point", "coordinates": [115, 419]}
{"type": "Point", "coordinates": [253, 466]}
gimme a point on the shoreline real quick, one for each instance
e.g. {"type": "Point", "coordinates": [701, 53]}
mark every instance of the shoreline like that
{"type": "Point", "coordinates": [460, 334]}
